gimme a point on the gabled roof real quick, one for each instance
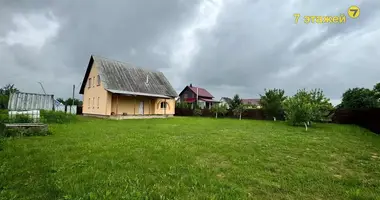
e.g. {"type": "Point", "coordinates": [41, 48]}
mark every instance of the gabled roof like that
{"type": "Point", "coordinates": [251, 101]}
{"type": "Point", "coordinates": [125, 78]}
{"type": "Point", "coordinates": [201, 91]}
{"type": "Point", "coordinates": [226, 99]}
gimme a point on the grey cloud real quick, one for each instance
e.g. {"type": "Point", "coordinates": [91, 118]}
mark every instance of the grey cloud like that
{"type": "Point", "coordinates": [369, 11]}
{"type": "Point", "coordinates": [253, 48]}
{"type": "Point", "coordinates": [253, 45]}
{"type": "Point", "coordinates": [107, 28]}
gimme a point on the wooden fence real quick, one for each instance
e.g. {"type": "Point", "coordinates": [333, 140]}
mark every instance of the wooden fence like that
{"type": "Point", "coordinates": [257, 114]}
{"type": "Point", "coordinates": [368, 118]}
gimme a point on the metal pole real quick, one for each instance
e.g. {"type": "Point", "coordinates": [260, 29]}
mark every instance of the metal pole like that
{"type": "Point", "coordinates": [43, 89]}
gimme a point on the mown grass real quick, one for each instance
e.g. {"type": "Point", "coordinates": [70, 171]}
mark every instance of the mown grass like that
{"type": "Point", "coordinates": [192, 158]}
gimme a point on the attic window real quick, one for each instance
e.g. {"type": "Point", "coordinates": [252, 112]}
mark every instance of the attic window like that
{"type": "Point", "coordinates": [98, 80]}
{"type": "Point", "coordinates": [89, 82]}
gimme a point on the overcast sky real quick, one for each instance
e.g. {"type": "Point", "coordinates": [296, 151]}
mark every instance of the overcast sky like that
{"type": "Point", "coordinates": [225, 46]}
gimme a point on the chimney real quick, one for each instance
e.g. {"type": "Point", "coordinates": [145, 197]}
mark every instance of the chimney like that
{"type": "Point", "coordinates": [191, 85]}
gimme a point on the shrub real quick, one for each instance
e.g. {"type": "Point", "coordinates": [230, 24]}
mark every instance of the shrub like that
{"type": "Point", "coordinates": [4, 116]}
{"type": "Point", "coordinates": [22, 118]}
{"type": "Point", "coordinates": [219, 109]}
{"type": "Point", "coordinates": [182, 105]}
{"type": "Point", "coordinates": [272, 103]}
{"type": "Point", "coordinates": [298, 110]}
{"type": "Point", "coordinates": [305, 107]}
{"type": "Point", "coordinates": [239, 110]}
{"type": "Point", "coordinates": [197, 112]}
{"type": "Point", "coordinates": [25, 131]}
{"type": "Point", "coordinates": [56, 117]}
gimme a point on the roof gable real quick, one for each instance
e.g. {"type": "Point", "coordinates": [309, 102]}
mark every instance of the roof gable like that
{"type": "Point", "coordinates": [201, 91]}
{"type": "Point", "coordinates": [120, 76]}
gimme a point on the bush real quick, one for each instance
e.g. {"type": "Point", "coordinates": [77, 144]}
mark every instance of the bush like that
{"type": "Point", "coordinates": [272, 103]}
{"type": "Point", "coordinates": [56, 117]}
{"type": "Point", "coordinates": [22, 118]}
{"type": "Point", "coordinates": [305, 107]}
{"type": "Point", "coordinates": [219, 109]}
{"type": "Point", "coordinates": [4, 116]}
{"type": "Point", "coordinates": [25, 131]}
{"type": "Point", "coordinates": [197, 112]}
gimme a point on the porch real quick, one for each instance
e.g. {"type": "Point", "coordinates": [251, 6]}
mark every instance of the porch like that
{"type": "Point", "coordinates": [138, 106]}
{"type": "Point", "coordinates": [202, 102]}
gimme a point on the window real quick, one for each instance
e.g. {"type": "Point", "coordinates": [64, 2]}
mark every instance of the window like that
{"type": "Point", "coordinates": [164, 105]}
{"type": "Point", "coordinates": [98, 102]}
{"type": "Point", "coordinates": [93, 102]}
{"type": "Point", "coordinates": [94, 82]}
{"type": "Point", "coordinates": [89, 103]}
{"type": "Point", "coordinates": [98, 80]}
{"type": "Point", "coordinates": [89, 82]}
{"type": "Point", "coordinates": [185, 96]}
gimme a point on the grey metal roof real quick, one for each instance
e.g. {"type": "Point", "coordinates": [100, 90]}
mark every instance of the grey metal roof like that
{"type": "Point", "coordinates": [127, 78]}
{"type": "Point", "coordinates": [28, 101]}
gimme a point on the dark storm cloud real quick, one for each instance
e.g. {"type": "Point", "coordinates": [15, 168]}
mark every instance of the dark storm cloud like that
{"type": "Point", "coordinates": [226, 46]}
{"type": "Point", "coordinates": [123, 30]}
{"type": "Point", "coordinates": [266, 49]}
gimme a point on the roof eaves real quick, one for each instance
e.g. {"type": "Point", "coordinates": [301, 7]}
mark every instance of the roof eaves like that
{"type": "Point", "coordinates": [138, 94]}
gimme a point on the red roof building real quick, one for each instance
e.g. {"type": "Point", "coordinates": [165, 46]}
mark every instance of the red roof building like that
{"type": "Point", "coordinates": [191, 94]}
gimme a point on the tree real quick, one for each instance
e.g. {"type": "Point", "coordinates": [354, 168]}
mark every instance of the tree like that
{"type": "Point", "coordinates": [77, 102]}
{"type": "Point", "coordinates": [376, 89]}
{"type": "Point", "coordinates": [8, 89]}
{"type": "Point", "coordinates": [305, 107]}
{"type": "Point", "coordinates": [5, 92]}
{"type": "Point", "coordinates": [272, 102]}
{"type": "Point", "coordinates": [69, 102]}
{"type": "Point", "coordinates": [321, 105]}
{"type": "Point", "coordinates": [239, 110]}
{"type": "Point", "coordinates": [216, 108]}
{"type": "Point", "coordinates": [61, 101]}
{"type": "Point", "coordinates": [183, 105]}
{"type": "Point", "coordinates": [235, 102]}
{"type": "Point", "coordinates": [360, 98]}
{"type": "Point", "coordinates": [298, 109]}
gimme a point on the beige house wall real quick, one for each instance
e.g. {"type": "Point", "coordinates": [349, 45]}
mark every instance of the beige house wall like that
{"type": "Point", "coordinates": [130, 105]}
{"type": "Point", "coordinates": [98, 101]}
{"type": "Point", "coordinates": [95, 97]}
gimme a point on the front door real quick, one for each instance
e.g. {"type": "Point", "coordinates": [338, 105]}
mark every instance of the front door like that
{"type": "Point", "coordinates": [141, 108]}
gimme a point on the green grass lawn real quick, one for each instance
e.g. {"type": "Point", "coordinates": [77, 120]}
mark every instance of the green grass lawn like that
{"type": "Point", "coordinates": [192, 158]}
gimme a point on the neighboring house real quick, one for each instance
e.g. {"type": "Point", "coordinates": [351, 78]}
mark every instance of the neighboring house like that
{"type": "Point", "coordinates": [114, 88]}
{"type": "Point", "coordinates": [225, 101]}
{"type": "Point", "coordinates": [193, 95]}
{"type": "Point", "coordinates": [251, 102]}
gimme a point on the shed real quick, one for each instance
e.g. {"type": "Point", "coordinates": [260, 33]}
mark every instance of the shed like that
{"type": "Point", "coordinates": [21, 101]}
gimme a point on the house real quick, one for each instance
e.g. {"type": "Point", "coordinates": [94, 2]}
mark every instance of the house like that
{"type": "Point", "coordinates": [254, 103]}
{"type": "Point", "coordinates": [120, 90]}
{"type": "Point", "coordinates": [225, 101]}
{"type": "Point", "coordinates": [194, 95]}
